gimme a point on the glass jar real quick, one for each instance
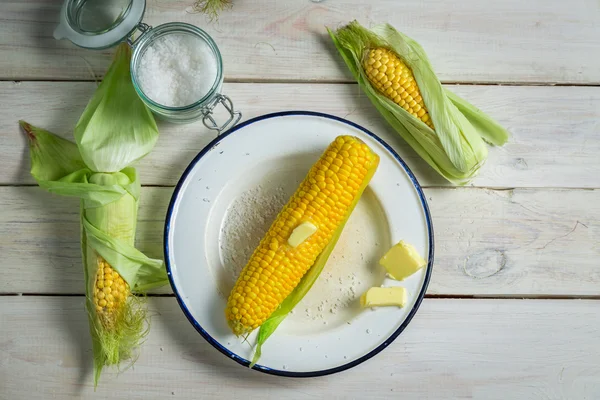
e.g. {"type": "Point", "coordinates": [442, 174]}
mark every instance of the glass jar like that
{"type": "Point", "coordinates": [100, 24]}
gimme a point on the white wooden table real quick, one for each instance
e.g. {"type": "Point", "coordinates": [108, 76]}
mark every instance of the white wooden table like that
{"type": "Point", "coordinates": [513, 308]}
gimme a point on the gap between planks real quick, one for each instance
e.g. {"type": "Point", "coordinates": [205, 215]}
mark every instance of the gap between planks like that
{"type": "Point", "coordinates": [427, 296]}
{"type": "Point", "coordinates": [474, 187]}
{"type": "Point", "coordinates": [335, 82]}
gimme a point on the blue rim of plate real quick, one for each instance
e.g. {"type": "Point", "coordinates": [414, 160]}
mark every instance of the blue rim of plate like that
{"type": "Point", "coordinates": [242, 360]}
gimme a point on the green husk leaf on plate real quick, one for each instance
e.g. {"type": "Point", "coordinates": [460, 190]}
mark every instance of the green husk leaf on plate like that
{"type": "Point", "coordinates": [115, 130]}
{"type": "Point", "coordinates": [456, 148]}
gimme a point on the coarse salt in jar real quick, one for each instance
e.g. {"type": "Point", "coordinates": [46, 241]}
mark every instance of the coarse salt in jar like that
{"type": "Point", "coordinates": [176, 68]}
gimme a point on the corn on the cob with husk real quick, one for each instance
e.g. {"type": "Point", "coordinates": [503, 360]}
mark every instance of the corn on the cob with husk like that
{"type": "Point", "coordinates": [279, 273]}
{"type": "Point", "coordinates": [115, 130]}
{"type": "Point", "coordinates": [395, 73]}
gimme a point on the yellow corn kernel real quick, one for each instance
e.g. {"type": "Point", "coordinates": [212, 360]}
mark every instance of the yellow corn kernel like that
{"type": "Point", "coordinates": [110, 294]}
{"type": "Point", "coordinates": [403, 90]}
{"type": "Point", "coordinates": [349, 163]}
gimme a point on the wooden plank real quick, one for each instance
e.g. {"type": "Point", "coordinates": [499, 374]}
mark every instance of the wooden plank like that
{"type": "Point", "coordinates": [40, 235]}
{"type": "Point", "coordinates": [554, 141]}
{"type": "Point", "coordinates": [468, 41]}
{"type": "Point", "coordinates": [519, 243]}
{"type": "Point", "coordinates": [516, 242]}
{"type": "Point", "coordinates": [458, 349]}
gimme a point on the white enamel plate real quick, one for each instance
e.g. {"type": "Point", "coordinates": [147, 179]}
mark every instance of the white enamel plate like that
{"type": "Point", "coordinates": [227, 199]}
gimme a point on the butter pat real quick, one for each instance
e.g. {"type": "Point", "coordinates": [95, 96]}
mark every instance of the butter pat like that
{"type": "Point", "coordinates": [301, 233]}
{"type": "Point", "coordinates": [402, 260]}
{"type": "Point", "coordinates": [378, 296]}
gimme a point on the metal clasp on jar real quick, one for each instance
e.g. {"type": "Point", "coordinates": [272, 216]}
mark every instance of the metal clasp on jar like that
{"type": "Point", "coordinates": [208, 119]}
{"type": "Point", "coordinates": [143, 28]}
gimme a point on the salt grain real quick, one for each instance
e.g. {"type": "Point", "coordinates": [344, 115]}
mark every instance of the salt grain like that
{"type": "Point", "coordinates": [177, 70]}
{"type": "Point", "coordinates": [247, 220]}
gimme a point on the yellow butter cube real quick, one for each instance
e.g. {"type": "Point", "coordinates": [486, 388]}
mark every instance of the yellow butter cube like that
{"type": "Point", "coordinates": [390, 296]}
{"type": "Point", "coordinates": [301, 233]}
{"type": "Point", "coordinates": [402, 260]}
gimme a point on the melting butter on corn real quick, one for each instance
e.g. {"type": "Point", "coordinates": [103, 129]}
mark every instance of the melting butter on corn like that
{"type": "Point", "coordinates": [301, 233]}
{"type": "Point", "coordinates": [389, 296]}
{"type": "Point", "coordinates": [402, 260]}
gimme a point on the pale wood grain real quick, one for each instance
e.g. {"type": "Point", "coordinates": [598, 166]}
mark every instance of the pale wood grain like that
{"type": "Point", "coordinates": [554, 144]}
{"type": "Point", "coordinates": [537, 240]}
{"type": "Point", "coordinates": [516, 242]}
{"type": "Point", "coordinates": [453, 349]}
{"type": "Point", "coordinates": [522, 242]}
{"type": "Point", "coordinates": [467, 41]}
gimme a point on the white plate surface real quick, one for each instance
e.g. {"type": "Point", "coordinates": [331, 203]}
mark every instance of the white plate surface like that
{"type": "Point", "coordinates": [227, 199]}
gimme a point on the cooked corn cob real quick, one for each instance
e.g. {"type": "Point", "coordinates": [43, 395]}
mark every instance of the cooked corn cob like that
{"type": "Point", "coordinates": [394, 79]}
{"type": "Point", "coordinates": [110, 295]}
{"type": "Point", "coordinates": [325, 198]}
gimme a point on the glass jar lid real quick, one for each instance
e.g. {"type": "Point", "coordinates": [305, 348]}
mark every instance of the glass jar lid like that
{"type": "Point", "coordinates": [99, 24]}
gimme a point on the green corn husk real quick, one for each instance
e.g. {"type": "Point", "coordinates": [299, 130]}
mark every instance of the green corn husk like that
{"type": "Point", "coordinates": [115, 130]}
{"type": "Point", "coordinates": [456, 149]}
